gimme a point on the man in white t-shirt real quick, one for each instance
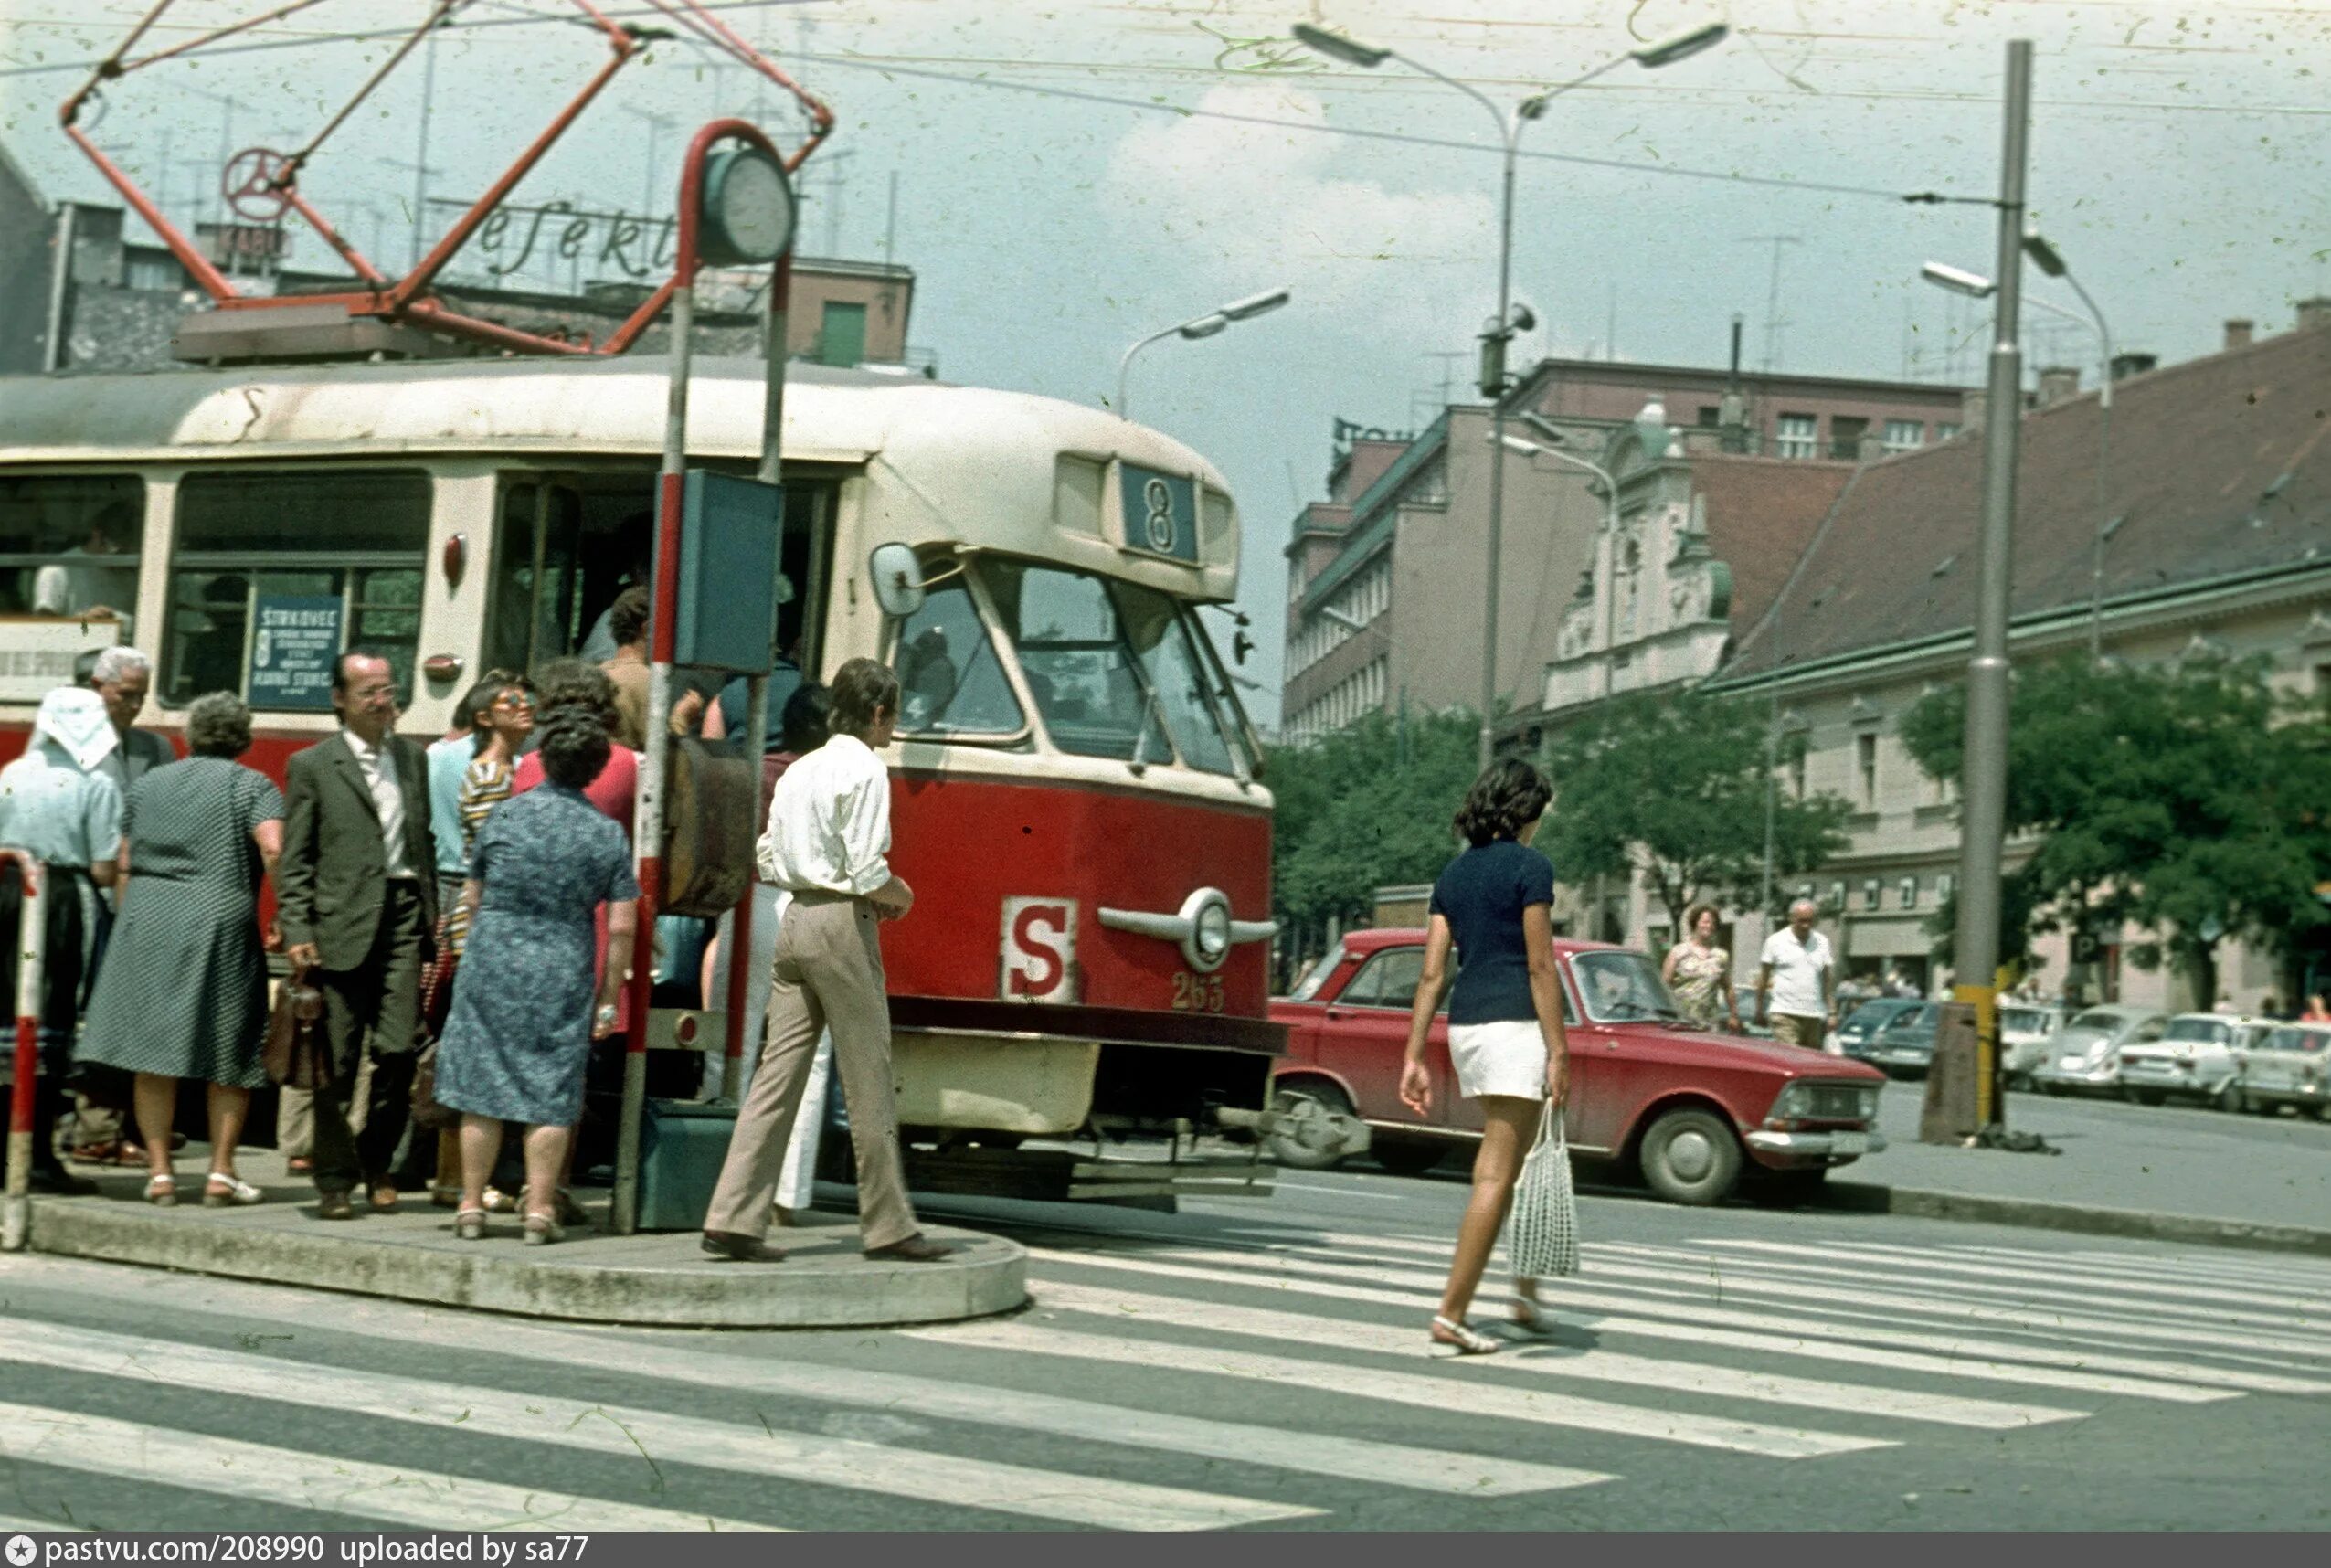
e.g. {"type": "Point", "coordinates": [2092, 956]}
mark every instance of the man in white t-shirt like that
{"type": "Point", "coordinates": [1798, 978]}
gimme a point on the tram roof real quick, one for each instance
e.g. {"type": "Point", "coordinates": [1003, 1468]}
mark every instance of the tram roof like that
{"type": "Point", "coordinates": [573, 405]}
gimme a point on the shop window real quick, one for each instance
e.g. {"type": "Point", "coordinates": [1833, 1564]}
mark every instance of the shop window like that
{"type": "Point", "coordinates": [334, 556]}
{"type": "Point", "coordinates": [68, 545]}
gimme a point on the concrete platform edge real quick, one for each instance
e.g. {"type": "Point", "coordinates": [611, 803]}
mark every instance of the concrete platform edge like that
{"type": "Point", "coordinates": [571, 1289]}
{"type": "Point", "coordinates": [1861, 1197]}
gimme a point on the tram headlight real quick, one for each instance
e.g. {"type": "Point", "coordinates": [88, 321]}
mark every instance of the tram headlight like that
{"type": "Point", "coordinates": [1210, 933]}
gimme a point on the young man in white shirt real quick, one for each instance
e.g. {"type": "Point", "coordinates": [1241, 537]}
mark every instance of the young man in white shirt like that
{"type": "Point", "coordinates": [828, 843]}
{"type": "Point", "coordinates": [1797, 975]}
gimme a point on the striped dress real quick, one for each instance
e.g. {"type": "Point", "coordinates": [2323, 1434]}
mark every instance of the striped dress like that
{"type": "Point", "coordinates": [485, 785]}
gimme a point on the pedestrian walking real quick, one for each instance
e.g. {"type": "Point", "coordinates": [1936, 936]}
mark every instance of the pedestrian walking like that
{"type": "Point", "coordinates": [803, 730]}
{"type": "Point", "coordinates": [358, 908]}
{"type": "Point", "coordinates": [1700, 973]}
{"type": "Point", "coordinates": [1794, 978]}
{"type": "Point", "coordinates": [525, 1004]}
{"type": "Point", "coordinates": [59, 807]}
{"type": "Point", "coordinates": [828, 845]}
{"type": "Point", "coordinates": [1492, 906]}
{"type": "Point", "coordinates": [183, 990]}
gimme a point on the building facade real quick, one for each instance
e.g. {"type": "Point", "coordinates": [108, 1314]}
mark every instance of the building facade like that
{"type": "Point", "coordinates": [1387, 580]}
{"type": "Point", "coordinates": [2210, 533]}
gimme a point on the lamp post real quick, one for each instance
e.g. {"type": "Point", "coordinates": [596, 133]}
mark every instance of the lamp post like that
{"type": "Point", "coordinates": [1498, 332]}
{"type": "Point", "coordinates": [1197, 327]}
{"type": "Point", "coordinates": [2050, 260]}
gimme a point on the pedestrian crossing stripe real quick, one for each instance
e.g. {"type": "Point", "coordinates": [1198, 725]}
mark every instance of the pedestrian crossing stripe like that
{"type": "Point", "coordinates": [816, 1459]}
{"type": "Point", "coordinates": [2028, 1283]}
{"type": "Point", "coordinates": [2285, 1271]}
{"type": "Point", "coordinates": [297, 1477]}
{"type": "Point", "coordinates": [1702, 1275]}
{"type": "Point", "coordinates": [2086, 1368]}
{"type": "Point", "coordinates": [956, 1399]}
{"type": "Point", "coordinates": [1591, 1366]}
{"type": "Point", "coordinates": [1056, 1337]}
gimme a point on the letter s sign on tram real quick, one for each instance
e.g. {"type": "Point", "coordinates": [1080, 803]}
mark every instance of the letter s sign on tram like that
{"type": "Point", "coordinates": [1040, 950]}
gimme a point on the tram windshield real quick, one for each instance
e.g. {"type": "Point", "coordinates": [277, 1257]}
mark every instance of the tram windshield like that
{"type": "Point", "coordinates": [1116, 670]}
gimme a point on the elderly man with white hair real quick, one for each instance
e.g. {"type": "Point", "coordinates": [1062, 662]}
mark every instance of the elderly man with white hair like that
{"type": "Point", "coordinates": [122, 676]}
{"type": "Point", "coordinates": [1798, 978]}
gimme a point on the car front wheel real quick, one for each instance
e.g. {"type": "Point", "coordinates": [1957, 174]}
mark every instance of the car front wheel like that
{"type": "Point", "coordinates": [1302, 1141]}
{"type": "Point", "coordinates": [2230, 1098]}
{"type": "Point", "coordinates": [1690, 1156]}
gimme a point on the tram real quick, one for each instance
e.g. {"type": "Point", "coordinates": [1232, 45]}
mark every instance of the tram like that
{"type": "Point", "coordinates": [1077, 799]}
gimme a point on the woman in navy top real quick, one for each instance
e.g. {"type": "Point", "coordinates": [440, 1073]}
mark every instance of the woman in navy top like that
{"type": "Point", "coordinates": [1493, 904]}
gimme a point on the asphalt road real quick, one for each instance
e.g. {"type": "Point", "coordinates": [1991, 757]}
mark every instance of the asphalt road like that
{"type": "Point", "coordinates": [1253, 1365]}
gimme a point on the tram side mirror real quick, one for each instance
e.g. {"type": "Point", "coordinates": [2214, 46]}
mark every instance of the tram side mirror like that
{"type": "Point", "coordinates": [898, 578]}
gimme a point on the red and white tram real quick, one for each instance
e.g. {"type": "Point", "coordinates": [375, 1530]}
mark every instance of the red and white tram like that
{"type": "Point", "coordinates": [1076, 795]}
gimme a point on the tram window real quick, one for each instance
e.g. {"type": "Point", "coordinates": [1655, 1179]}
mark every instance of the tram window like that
{"type": "Point", "coordinates": [1155, 625]}
{"type": "Point", "coordinates": [535, 614]}
{"type": "Point", "coordinates": [354, 538]}
{"type": "Point", "coordinates": [1072, 649]}
{"type": "Point", "coordinates": [69, 544]}
{"type": "Point", "coordinates": [951, 682]}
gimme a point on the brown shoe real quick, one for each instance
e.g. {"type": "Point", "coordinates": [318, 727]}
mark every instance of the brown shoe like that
{"type": "Point", "coordinates": [916, 1248]}
{"type": "Point", "coordinates": [333, 1206]}
{"type": "Point", "coordinates": [383, 1197]}
{"type": "Point", "coordinates": [741, 1249]}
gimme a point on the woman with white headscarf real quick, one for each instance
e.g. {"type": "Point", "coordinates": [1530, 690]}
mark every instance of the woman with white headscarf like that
{"type": "Point", "coordinates": [56, 805]}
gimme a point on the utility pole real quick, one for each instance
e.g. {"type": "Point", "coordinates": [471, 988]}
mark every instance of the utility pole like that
{"type": "Point", "coordinates": [1983, 785]}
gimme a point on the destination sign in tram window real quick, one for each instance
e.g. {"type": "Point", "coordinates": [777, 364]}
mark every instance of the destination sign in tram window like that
{"type": "Point", "coordinates": [263, 558]}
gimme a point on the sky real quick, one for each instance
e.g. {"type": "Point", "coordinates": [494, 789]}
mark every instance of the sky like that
{"type": "Point", "coordinates": [1072, 176]}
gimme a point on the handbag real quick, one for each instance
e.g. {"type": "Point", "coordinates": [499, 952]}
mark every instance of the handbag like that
{"type": "Point", "coordinates": [1542, 1228]}
{"type": "Point", "coordinates": [295, 1055]}
{"type": "Point", "coordinates": [427, 1110]}
{"type": "Point", "coordinates": [436, 980]}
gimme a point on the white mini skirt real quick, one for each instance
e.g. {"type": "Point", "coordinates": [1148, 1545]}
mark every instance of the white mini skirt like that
{"type": "Point", "coordinates": [1508, 1057]}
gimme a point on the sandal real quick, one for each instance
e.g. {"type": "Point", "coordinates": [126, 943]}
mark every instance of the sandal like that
{"type": "Point", "coordinates": [1455, 1339]}
{"type": "Point", "coordinates": [469, 1223]}
{"type": "Point", "coordinates": [224, 1191]}
{"type": "Point", "coordinates": [1531, 1317]}
{"type": "Point", "coordinates": [162, 1192]}
{"type": "Point", "coordinates": [542, 1229]}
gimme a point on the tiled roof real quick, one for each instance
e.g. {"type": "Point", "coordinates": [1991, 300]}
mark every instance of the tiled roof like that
{"type": "Point", "coordinates": [2220, 466]}
{"type": "Point", "coordinates": [1761, 513]}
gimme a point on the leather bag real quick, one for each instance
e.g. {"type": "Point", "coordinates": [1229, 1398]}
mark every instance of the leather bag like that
{"type": "Point", "coordinates": [296, 1056]}
{"type": "Point", "coordinates": [710, 830]}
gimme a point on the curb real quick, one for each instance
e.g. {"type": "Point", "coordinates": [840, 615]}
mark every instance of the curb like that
{"type": "Point", "coordinates": [1868, 1198]}
{"type": "Point", "coordinates": [659, 1280]}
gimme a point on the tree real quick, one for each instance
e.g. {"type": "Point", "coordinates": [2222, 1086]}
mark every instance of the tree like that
{"type": "Point", "coordinates": [1676, 788]}
{"type": "Point", "coordinates": [1365, 807]}
{"type": "Point", "coordinates": [2190, 798]}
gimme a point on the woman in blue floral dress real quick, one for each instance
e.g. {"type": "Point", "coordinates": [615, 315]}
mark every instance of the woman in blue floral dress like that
{"type": "Point", "coordinates": [522, 1017]}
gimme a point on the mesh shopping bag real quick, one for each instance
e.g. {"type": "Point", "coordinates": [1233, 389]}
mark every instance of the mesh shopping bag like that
{"type": "Point", "coordinates": [1541, 1229]}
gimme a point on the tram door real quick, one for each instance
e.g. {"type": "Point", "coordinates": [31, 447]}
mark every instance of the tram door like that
{"type": "Point", "coordinates": [567, 543]}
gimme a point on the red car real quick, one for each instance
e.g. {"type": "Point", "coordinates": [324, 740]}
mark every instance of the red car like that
{"type": "Point", "coordinates": [1691, 1108]}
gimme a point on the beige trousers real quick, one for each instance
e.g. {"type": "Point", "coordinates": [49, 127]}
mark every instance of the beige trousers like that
{"type": "Point", "coordinates": [295, 1115]}
{"type": "Point", "coordinates": [828, 974]}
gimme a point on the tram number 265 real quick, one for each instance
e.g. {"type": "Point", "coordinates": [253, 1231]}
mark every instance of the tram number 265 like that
{"type": "Point", "coordinates": [1197, 993]}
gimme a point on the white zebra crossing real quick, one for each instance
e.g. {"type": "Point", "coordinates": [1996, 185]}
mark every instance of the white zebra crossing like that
{"type": "Point", "coordinates": [657, 1435]}
{"type": "Point", "coordinates": [294, 1478]}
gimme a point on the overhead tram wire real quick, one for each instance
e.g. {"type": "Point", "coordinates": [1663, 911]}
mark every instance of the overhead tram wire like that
{"type": "Point", "coordinates": [848, 62]}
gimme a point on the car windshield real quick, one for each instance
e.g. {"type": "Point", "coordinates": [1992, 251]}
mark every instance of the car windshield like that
{"type": "Point", "coordinates": [2023, 1020]}
{"type": "Point", "coordinates": [1918, 1018]}
{"type": "Point", "coordinates": [1118, 670]}
{"type": "Point", "coordinates": [2103, 1021]}
{"type": "Point", "coordinates": [1308, 986]}
{"type": "Point", "coordinates": [1620, 986]}
{"type": "Point", "coordinates": [1875, 1014]}
{"type": "Point", "coordinates": [2308, 1042]}
{"type": "Point", "coordinates": [2209, 1030]}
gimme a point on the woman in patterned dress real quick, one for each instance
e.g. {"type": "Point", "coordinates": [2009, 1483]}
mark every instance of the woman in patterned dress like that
{"type": "Point", "coordinates": [524, 1017]}
{"type": "Point", "coordinates": [183, 990]}
{"type": "Point", "coordinates": [1700, 973]}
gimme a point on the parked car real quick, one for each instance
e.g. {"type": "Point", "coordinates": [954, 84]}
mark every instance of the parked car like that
{"type": "Point", "coordinates": [1864, 1022]}
{"type": "Point", "coordinates": [2198, 1057]}
{"type": "Point", "coordinates": [2291, 1065]}
{"type": "Point", "coordinates": [2024, 1029]}
{"type": "Point", "coordinates": [1690, 1109]}
{"type": "Point", "coordinates": [2085, 1055]}
{"type": "Point", "coordinates": [1904, 1048]}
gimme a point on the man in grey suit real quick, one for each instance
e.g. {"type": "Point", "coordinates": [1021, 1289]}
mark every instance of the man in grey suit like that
{"type": "Point", "coordinates": [358, 899]}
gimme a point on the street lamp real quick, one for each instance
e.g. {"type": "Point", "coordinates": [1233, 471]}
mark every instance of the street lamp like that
{"type": "Point", "coordinates": [1213, 322]}
{"type": "Point", "coordinates": [2050, 261]}
{"type": "Point", "coordinates": [1500, 328]}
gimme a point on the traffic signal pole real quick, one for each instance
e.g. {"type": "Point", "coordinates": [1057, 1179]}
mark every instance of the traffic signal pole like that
{"type": "Point", "coordinates": [1983, 786]}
